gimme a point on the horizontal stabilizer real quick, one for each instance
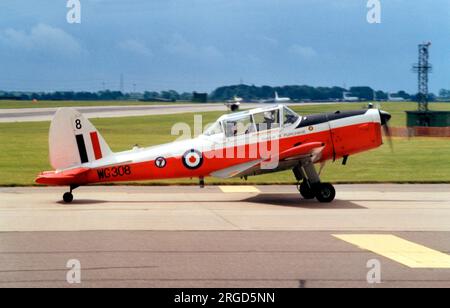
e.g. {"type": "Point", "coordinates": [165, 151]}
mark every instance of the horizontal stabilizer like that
{"type": "Point", "coordinates": [64, 178]}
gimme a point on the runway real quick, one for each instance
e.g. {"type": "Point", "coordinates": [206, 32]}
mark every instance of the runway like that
{"type": "Point", "coordinates": [263, 236]}
{"type": "Point", "coordinates": [46, 114]}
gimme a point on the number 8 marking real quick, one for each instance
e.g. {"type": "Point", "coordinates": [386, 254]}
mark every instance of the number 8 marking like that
{"type": "Point", "coordinates": [78, 124]}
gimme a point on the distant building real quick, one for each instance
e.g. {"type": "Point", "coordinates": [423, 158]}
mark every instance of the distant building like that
{"type": "Point", "coordinates": [199, 97]}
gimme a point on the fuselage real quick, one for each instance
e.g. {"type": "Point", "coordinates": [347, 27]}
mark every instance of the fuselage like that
{"type": "Point", "coordinates": [342, 134]}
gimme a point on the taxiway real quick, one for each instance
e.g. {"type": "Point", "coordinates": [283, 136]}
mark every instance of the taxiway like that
{"type": "Point", "coordinates": [46, 114]}
{"type": "Point", "coordinates": [233, 236]}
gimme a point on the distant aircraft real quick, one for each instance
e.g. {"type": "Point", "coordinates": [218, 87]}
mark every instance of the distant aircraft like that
{"type": "Point", "coordinates": [281, 99]}
{"type": "Point", "coordinates": [347, 98]}
{"type": "Point", "coordinates": [235, 146]}
{"type": "Point", "coordinates": [233, 104]}
{"type": "Point", "coordinates": [276, 100]}
{"type": "Point", "coordinates": [395, 98]}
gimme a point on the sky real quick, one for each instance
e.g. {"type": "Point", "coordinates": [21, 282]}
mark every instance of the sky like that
{"type": "Point", "coordinates": [199, 45]}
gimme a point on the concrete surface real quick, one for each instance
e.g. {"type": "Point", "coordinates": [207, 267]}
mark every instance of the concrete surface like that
{"type": "Point", "coordinates": [188, 237]}
{"type": "Point", "coordinates": [356, 208]}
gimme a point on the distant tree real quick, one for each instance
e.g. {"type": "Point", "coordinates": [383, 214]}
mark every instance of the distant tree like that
{"type": "Point", "coordinates": [295, 92]}
{"type": "Point", "coordinates": [185, 96]}
{"type": "Point", "coordinates": [110, 95]}
{"type": "Point", "coordinates": [404, 95]}
{"type": "Point", "coordinates": [362, 92]}
{"type": "Point", "coordinates": [171, 95]}
{"type": "Point", "coordinates": [380, 95]}
{"type": "Point", "coordinates": [444, 93]}
{"type": "Point", "coordinates": [150, 95]}
{"type": "Point", "coordinates": [248, 92]}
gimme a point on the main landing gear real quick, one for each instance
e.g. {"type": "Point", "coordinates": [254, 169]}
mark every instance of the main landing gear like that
{"type": "Point", "coordinates": [68, 196]}
{"type": "Point", "coordinates": [310, 186]}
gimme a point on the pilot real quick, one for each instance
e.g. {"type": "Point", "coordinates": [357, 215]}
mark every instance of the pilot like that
{"type": "Point", "coordinates": [232, 129]}
{"type": "Point", "coordinates": [269, 119]}
{"type": "Point", "coordinates": [290, 119]}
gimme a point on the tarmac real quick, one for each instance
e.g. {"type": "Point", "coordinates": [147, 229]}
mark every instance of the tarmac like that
{"type": "Point", "coordinates": [46, 114]}
{"type": "Point", "coordinates": [231, 236]}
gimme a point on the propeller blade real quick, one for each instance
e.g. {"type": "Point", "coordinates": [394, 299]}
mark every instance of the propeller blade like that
{"type": "Point", "coordinates": [387, 133]}
{"type": "Point", "coordinates": [385, 117]}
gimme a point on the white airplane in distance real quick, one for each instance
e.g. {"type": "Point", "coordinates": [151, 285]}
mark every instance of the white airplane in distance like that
{"type": "Point", "coordinates": [395, 98]}
{"type": "Point", "coordinates": [233, 104]}
{"type": "Point", "coordinates": [281, 99]}
{"type": "Point", "coordinates": [347, 98]}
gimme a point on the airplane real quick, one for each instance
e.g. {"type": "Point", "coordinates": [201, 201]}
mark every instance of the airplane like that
{"type": "Point", "coordinates": [247, 143]}
{"type": "Point", "coordinates": [395, 98]}
{"type": "Point", "coordinates": [233, 104]}
{"type": "Point", "coordinates": [347, 98]}
{"type": "Point", "coordinates": [281, 99]}
{"type": "Point", "coordinates": [275, 100]}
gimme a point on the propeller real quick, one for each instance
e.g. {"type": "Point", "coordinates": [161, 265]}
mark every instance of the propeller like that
{"type": "Point", "coordinates": [385, 117]}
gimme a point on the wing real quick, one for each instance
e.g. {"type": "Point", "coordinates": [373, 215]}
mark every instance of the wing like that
{"type": "Point", "coordinates": [237, 170]}
{"type": "Point", "coordinates": [67, 177]}
{"type": "Point", "coordinates": [311, 150]}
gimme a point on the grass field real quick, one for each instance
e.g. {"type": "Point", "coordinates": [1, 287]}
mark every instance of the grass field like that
{"type": "Point", "coordinates": [24, 150]}
{"type": "Point", "coordinates": [396, 109]}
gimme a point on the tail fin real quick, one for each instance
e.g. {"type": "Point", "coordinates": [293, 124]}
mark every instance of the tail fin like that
{"type": "Point", "coordinates": [73, 140]}
{"type": "Point", "coordinates": [276, 95]}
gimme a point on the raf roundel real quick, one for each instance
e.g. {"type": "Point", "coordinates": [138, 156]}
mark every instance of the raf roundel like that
{"type": "Point", "coordinates": [192, 159]}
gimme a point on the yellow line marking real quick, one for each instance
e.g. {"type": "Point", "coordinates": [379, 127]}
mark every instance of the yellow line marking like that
{"type": "Point", "coordinates": [402, 251]}
{"type": "Point", "coordinates": [239, 189]}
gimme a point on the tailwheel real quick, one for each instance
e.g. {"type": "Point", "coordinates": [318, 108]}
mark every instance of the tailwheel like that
{"type": "Point", "coordinates": [68, 197]}
{"type": "Point", "coordinates": [306, 191]}
{"type": "Point", "coordinates": [325, 192]}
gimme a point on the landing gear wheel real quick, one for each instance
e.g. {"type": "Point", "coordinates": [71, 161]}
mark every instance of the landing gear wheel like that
{"type": "Point", "coordinates": [325, 192]}
{"type": "Point", "coordinates": [68, 197]}
{"type": "Point", "coordinates": [306, 191]}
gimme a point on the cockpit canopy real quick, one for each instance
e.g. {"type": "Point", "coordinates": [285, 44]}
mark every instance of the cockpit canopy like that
{"type": "Point", "coordinates": [251, 121]}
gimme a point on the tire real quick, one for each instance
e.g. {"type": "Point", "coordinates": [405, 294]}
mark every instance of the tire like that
{"type": "Point", "coordinates": [325, 193]}
{"type": "Point", "coordinates": [234, 108]}
{"type": "Point", "coordinates": [68, 197]}
{"type": "Point", "coordinates": [306, 192]}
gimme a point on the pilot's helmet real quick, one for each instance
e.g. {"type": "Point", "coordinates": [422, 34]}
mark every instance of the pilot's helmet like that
{"type": "Point", "coordinates": [268, 115]}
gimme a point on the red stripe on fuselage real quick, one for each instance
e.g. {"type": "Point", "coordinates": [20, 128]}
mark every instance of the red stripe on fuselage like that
{"type": "Point", "coordinates": [96, 146]}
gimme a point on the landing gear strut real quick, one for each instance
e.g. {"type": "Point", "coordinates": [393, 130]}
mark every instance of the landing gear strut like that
{"type": "Point", "coordinates": [310, 186]}
{"type": "Point", "coordinates": [68, 196]}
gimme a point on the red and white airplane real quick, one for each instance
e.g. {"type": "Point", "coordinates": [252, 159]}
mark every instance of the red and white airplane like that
{"type": "Point", "coordinates": [243, 144]}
